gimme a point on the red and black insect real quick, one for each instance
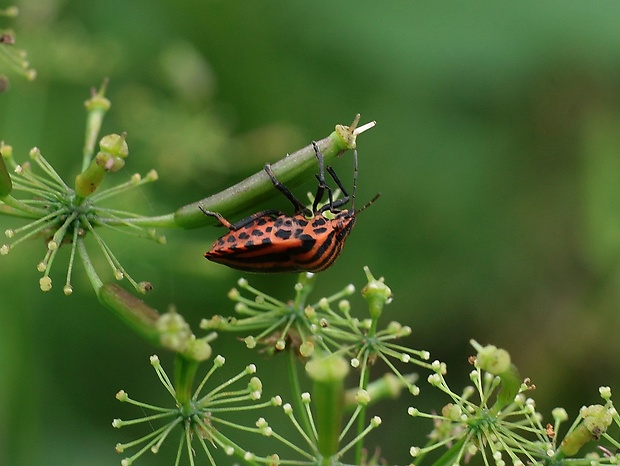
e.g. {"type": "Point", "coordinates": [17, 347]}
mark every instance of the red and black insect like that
{"type": "Point", "coordinates": [271, 241]}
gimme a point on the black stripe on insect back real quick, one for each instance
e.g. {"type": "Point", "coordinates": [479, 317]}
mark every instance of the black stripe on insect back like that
{"type": "Point", "coordinates": [330, 247]}
{"type": "Point", "coordinates": [322, 253]}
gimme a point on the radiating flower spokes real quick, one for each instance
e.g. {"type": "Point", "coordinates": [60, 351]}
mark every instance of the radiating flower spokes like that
{"type": "Point", "coordinates": [472, 423]}
{"type": "Point", "coordinates": [58, 217]}
{"type": "Point", "coordinates": [62, 214]}
{"type": "Point", "coordinates": [200, 418]}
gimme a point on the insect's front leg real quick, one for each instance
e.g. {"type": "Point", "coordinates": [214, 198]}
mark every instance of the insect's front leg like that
{"type": "Point", "coordinates": [323, 186]}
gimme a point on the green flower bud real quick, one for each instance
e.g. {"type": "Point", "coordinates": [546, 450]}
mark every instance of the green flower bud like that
{"type": "Point", "coordinates": [109, 162]}
{"type": "Point", "coordinates": [497, 361]}
{"type": "Point", "coordinates": [596, 420]}
{"type": "Point", "coordinates": [98, 103]}
{"type": "Point", "coordinates": [115, 145]}
{"type": "Point", "coordinates": [492, 359]}
{"type": "Point", "coordinates": [376, 293]}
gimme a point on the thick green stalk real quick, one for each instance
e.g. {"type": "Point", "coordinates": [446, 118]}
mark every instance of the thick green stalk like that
{"type": "Point", "coordinates": [328, 374]}
{"type": "Point", "coordinates": [5, 179]}
{"type": "Point", "coordinates": [96, 106]}
{"type": "Point", "coordinates": [131, 310]}
{"type": "Point", "coordinates": [290, 170]}
{"type": "Point", "coordinates": [184, 374]}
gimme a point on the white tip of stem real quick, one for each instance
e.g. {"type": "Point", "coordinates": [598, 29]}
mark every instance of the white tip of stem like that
{"type": "Point", "coordinates": [361, 129]}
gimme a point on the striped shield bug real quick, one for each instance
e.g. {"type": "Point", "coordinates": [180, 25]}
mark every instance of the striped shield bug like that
{"type": "Point", "coordinates": [271, 241]}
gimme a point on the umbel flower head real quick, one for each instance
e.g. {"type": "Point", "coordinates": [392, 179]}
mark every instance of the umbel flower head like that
{"type": "Point", "coordinates": [495, 419]}
{"type": "Point", "coordinates": [327, 325]}
{"type": "Point", "coordinates": [201, 415]}
{"type": "Point", "coordinates": [62, 213]}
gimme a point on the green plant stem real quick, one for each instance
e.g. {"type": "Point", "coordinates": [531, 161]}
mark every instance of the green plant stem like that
{"type": "Point", "coordinates": [184, 374]}
{"type": "Point", "coordinates": [241, 197]}
{"type": "Point", "coordinates": [91, 273]}
{"type": "Point", "coordinates": [290, 170]}
{"type": "Point", "coordinates": [96, 106]}
{"type": "Point", "coordinates": [293, 376]}
{"type": "Point", "coordinates": [6, 185]}
{"type": "Point", "coordinates": [31, 212]}
{"type": "Point", "coordinates": [131, 310]}
{"type": "Point", "coordinates": [361, 419]}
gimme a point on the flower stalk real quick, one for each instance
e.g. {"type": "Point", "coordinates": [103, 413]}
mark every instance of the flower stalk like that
{"type": "Point", "coordinates": [290, 170]}
{"type": "Point", "coordinates": [328, 374]}
{"type": "Point", "coordinates": [6, 185]}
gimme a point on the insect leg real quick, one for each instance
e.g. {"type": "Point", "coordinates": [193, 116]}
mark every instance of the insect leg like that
{"type": "Point", "coordinates": [253, 217]}
{"type": "Point", "coordinates": [218, 216]}
{"type": "Point", "coordinates": [342, 201]}
{"type": "Point", "coordinates": [323, 186]}
{"type": "Point", "coordinates": [299, 207]}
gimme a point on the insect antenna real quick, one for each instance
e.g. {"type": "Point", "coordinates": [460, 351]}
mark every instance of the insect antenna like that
{"type": "Point", "coordinates": [369, 203]}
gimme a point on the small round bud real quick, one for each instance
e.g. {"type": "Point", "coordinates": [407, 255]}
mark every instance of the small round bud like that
{"type": "Point", "coordinates": [45, 283]}
{"type": "Point", "coordinates": [152, 175]}
{"type": "Point", "coordinates": [376, 293]}
{"type": "Point", "coordinates": [306, 349]}
{"type": "Point", "coordinates": [145, 287]}
{"type": "Point", "coordinates": [493, 360]}
{"type": "Point", "coordinates": [115, 145]}
{"type": "Point", "coordinates": [35, 153]}
{"type": "Point", "coordinates": [362, 397]}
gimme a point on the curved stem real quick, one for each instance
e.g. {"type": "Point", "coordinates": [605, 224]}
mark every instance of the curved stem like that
{"type": "Point", "coordinates": [361, 419]}
{"type": "Point", "coordinates": [91, 273]}
{"type": "Point", "coordinates": [290, 170]}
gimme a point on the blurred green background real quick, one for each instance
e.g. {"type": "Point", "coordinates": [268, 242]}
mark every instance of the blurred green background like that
{"type": "Point", "coordinates": [496, 152]}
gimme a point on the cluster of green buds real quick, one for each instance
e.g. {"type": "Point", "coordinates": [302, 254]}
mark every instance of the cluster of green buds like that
{"type": "Point", "coordinates": [510, 428]}
{"type": "Point", "coordinates": [326, 325]}
{"type": "Point", "coordinates": [63, 214]}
